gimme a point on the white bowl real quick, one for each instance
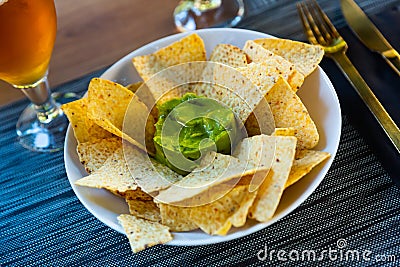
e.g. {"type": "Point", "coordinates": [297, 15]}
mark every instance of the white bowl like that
{"type": "Point", "coordinates": [317, 93]}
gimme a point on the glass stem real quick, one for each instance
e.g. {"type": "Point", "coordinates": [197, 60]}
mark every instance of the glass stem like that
{"type": "Point", "coordinates": [40, 96]}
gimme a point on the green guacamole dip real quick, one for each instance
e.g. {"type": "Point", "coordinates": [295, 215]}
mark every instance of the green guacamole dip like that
{"type": "Point", "coordinates": [191, 125]}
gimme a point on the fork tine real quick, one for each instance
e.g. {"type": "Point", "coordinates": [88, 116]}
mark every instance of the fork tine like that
{"type": "Point", "coordinates": [326, 21]}
{"type": "Point", "coordinates": [315, 12]}
{"type": "Point", "coordinates": [313, 25]}
{"type": "Point", "coordinates": [319, 29]}
{"type": "Point", "coordinates": [309, 32]}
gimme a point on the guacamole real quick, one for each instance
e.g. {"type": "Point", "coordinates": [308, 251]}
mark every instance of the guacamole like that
{"type": "Point", "coordinates": [191, 125]}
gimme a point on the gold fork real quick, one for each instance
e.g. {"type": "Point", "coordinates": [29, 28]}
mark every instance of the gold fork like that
{"type": "Point", "coordinates": [320, 31]}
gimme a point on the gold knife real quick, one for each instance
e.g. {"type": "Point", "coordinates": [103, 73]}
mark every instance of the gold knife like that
{"type": "Point", "coordinates": [368, 34]}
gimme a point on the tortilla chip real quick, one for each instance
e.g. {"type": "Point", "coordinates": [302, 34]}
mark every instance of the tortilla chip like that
{"type": "Point", "coordinates": [229, 54]}
{"type": "Point", "coordinates": [145, 209]}
{"type": "Point", "coordinates": [305, 57]}
{"type": "Point", "coordinates": [143, 234]}
{"type": "Point", "coordinates": [238, 219]}
{"type": "Point", "coordinates": [259, 54]}
{"type": "Point", "coordinates": [259, 151]}
{"type": "Point", "coordinates": [112, 106]}
{"type": "Point", "coordinates": [149, 174]}
{"type": "Point", "coordinates": [93, 154]}
{"type": "Point", "coordinates": [114, 175]}
{"type": "Point", "coordinates": [289, 111]}
{"type": "Point", "coordinates": [176, 218]}
{"type": "Point", "coordinates": [270, 191]}
{"type": "Point", "coordinates": [304, 162]}
{"type": "Point", "coordinates": [172, 82]}
{"type": "Point", "coordinates": [261, 120]}
{"type": "Point", "coordinates": [142, 91]}
{"type": "Point", "coordinates": [189, 48]}
{"type": "Point", "coordinates": [218, 216]}
{"type": "Point", "coordinates": [85, 130]}
{"type": "Point", "coordinates": [264, 75]}
{"type": "Point", "coordinates": [214, 169]}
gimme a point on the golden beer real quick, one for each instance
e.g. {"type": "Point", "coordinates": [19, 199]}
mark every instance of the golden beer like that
{"type": "Point", "coordinates": [27, 34]}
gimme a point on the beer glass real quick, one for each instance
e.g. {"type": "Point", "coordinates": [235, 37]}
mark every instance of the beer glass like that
{"type": "Point", "coordinates": [198, 14]}
{"type": "Point", "coordinates": [28, 31]}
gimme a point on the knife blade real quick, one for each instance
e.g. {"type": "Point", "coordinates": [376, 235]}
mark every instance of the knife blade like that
{"type": "Point", "coordinates": [368, 34]}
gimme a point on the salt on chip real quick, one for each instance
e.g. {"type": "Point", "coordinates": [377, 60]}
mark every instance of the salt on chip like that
{"type": "Point", "coordinates": [289, 111]}
{"type": "Point", "coordinates": [270, 191]}
{"type": "Point", "coordinates": [119, 111]}
{"type": "Point", "coordinates": [145, 209]}
{"type": "Point", "coordinates": [85, 129]}
{"type": "Point", "coordinates": [218, 217]}
{"type": "Point", "coordinates": [303, 163]}
{"type": "Point", "coordinates": [229, 54]}
{"type": "Point", "coordinates": [176, 218]}
{"type": "Point", "coordinates": [305, 57]}
{"type": "Point", "coordinates": [142, 233]}
{"type": "Point", "coordinates": [93, 154]}
{"type": "Point", "coordinates": [189, 48]}
{"type": "Point", "coordinates": [259, 54]}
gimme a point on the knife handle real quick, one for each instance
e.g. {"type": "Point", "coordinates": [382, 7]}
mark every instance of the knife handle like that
{"type": "Point", "coordinates": [369, 98]}
{"type": "Point", "coordinates": [392, 57]}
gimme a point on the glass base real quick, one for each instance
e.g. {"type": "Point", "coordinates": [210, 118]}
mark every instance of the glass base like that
{"type": "Point", "coordinates": [36, 135]}
{"type": "Point", "coordinates": [188, 16]}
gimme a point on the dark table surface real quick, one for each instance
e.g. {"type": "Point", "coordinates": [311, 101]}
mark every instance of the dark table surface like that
{"type": "Point", "coordinates": [354, 211]}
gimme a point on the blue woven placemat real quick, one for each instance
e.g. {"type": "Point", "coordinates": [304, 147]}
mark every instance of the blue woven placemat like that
{"type": "Point", "coordinates": [43, 223]}
{"type": "Point", "coordinates": [352, 219]}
